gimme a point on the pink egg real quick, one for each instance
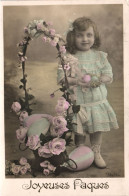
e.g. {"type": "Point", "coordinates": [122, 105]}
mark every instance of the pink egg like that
{"type": "Point", "coordinates": [83, 156]}
{"type": "Point", "coordinates": [86, 78]}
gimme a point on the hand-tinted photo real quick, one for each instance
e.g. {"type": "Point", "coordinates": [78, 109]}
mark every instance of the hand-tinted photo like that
{"type": "Point", "coordinates": [63, 91]}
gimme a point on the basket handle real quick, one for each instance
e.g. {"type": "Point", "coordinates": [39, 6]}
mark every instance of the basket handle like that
{"type": "Point", "coordinates": [21, 148]}
{"type": "Point", "coordinates": [70, 164]}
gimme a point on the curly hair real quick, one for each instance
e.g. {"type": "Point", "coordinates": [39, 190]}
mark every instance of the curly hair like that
{"type": "Point", "coordinates": [81, 24]}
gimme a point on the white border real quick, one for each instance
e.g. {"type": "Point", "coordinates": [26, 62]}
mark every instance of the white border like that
{"type": "Point", "coordinates": [64, 2]}
{"type": "Point", "coordinates": [118, 186]}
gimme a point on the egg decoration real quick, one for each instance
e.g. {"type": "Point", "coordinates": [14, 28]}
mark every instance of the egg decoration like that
{"type": "Point", "coordinates": [39, 126]}
{"type": "Point", "coordinates": [83, 156]}
{"type": "Point", "coordinates": [28, 121]}
{"type": "Point", "coordinates": [86, 78]}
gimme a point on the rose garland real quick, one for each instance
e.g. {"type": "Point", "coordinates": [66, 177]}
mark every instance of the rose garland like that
{"type": "Point", "coordinates": [35, 29]}
{"type": "Point", "coordinates": [50, 147]}
{"type": "Point", "coordinates": [54, 143]}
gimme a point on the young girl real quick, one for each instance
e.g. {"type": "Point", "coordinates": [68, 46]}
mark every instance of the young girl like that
{"type": "Point", "coordinates": [87, 81]}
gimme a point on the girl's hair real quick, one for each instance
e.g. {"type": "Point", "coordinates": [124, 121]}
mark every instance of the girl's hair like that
{"type": "Point", "coordinates": [81, 24]}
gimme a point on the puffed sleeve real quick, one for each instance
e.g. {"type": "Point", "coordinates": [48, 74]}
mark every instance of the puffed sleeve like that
{"type": "Point", "coordinates": [106, 69]}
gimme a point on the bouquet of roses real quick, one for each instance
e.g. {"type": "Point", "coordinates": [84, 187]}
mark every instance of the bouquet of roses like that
{"type": "Point", "coordinates": [17, 167]}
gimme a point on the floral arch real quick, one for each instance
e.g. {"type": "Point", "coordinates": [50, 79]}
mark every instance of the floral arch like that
{"type": "Point", "coordinates": [49, 145]}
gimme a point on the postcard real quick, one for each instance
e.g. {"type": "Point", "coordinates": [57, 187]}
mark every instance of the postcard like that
{"type": "Point", "coordinates": [64, 98]}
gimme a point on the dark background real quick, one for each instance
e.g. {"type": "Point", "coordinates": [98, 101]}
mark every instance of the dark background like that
{"type": "Point", "coordinates": [41, 68]}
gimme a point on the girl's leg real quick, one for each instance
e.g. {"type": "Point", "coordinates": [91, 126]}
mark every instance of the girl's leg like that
{"type": "Point", "coordinates": [96, 141]}
{"type": "Point", "coordinates": [79, 139]}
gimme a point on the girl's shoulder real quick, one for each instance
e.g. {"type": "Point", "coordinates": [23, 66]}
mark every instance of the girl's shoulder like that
{"type": "Point", "coordinates": [101, 58]}
{"type": "Point", "coordinates": [101, 54]}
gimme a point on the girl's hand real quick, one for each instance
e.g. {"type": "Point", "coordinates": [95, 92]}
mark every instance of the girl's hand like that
{"type": "Point", "coordinates": [105, 79]}
{"type": "Point", "coordinates": [84, 84]}
{"type": "Point", "coordinates": [95, 84]}
{"type": "Point", "coordinates": [91, 84]}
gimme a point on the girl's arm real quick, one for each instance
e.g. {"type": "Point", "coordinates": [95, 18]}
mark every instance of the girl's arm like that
{"type": "Point", "coordinates": [105, 79]}
{"type": "Point", "coordinates": [72, 81]}
{"type": "Point", "coordinates": [106, 71]}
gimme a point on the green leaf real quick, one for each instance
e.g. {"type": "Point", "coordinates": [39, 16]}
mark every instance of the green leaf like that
{"type": "Point", "coordinates": [23, 80]}
{"type": "Point", "coordinates": [30, 97]}
{"type": "Point", "coordinates": [29, 110]}
{"type": "Point", "coordinates": [22, 102]}
{"type": "Point", "coordinates": [63, 89]}
{"type": "Point", "coordinates": [21, 86]}
{"type": "Point", "coordinates": [76, 108]}
{"type": "Point", "coordinates": [42, 137]}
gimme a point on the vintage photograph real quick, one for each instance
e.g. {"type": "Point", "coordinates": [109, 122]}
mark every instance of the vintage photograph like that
{"type": "Point", "coordinates": [64, 91]}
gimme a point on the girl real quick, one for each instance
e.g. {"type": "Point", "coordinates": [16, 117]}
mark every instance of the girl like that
{"type": "Point", "coordinates": [87, 81]}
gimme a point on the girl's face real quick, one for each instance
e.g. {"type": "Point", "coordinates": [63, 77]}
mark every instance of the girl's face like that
{"type": "Point", "coordinates": [84, 40]}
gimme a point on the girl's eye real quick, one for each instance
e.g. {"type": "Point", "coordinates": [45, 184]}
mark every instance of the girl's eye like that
{"type": "Point", "coordinates": [89, 35]}
{"type": "Point", "coordinates": [78, 35]}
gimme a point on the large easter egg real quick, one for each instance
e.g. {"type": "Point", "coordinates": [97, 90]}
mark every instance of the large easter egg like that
{"type": "Point", "coordinates": [28, 121]}
{"type": "Point", "coordinates": [38, 127]}
{"type": "Point", "coordinates": [83, 156]}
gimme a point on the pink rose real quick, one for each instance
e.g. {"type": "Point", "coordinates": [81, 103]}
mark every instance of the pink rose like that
{"type": "Point", "coordinates": [86, 78]}
{"type": "Point", "coordinates": [44, 164]}
{"type": "Point", "coordinates": [62, 49]}
{"type": "Point", "coordinates": [52, 31]}
{"type": "Point", "coordinates": [49, 23]}
{"type": "Point", "coordinates": [23, 170]}
{"type": "Point", "coordinates": [59, 121]}
{"type": "Point", "coordinates": [25, 29]}
{"type": "Point", "coordinates": [39, 26]}
{"type": "Point", "coordinates": [22, 116]}
{"type": "Point", "coordinates": [53, 43]}
{"type": "Point", "coordinates": [56, 39]}
{"type": "Point", "coordinates": [44, 151]}
{"type": "Point", "coordinates": [21, 134]}
{"type": "Point", "coordinates": [16, 107]}
{"type": "Point", "coordinates": [51, 167]}
{"type": "Point", "coordinates": [48, 40]}
{"type": "Point", "coordinates": [60, 110]}
{"type": "Point", "coordinates": [33, 142]}
{"type": "Point", "coordinates": [66, 66]}
{"type": "Point", "coordinates": [57, 145]}
{"type": "Point", "coordinates": [23, 58]}
{"type": "Point", "coordinates": [44, 39]}
{"type": "Point", "coordinates": [57, 132]}
{"type": "Point", "coordinates": [27, 165]}
{"type": "Point", "coordinates": [46, 172]}
{"type": "Point", "coordinates": [52, 95]}
{"type": "Point", "coordinates": [70, 59]}
{"type": "Point", "coordinates": [23, 161]}
{"type": "Point", "coordinates": [15, 169]}
{"type": "Point", "coordinates": [62, 102]}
